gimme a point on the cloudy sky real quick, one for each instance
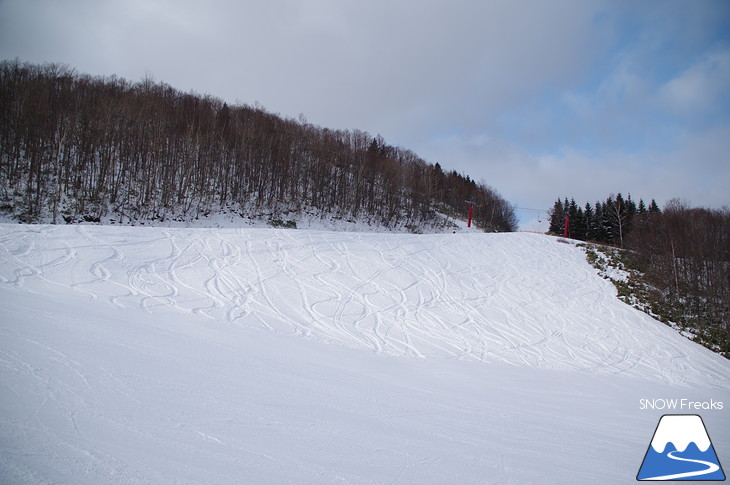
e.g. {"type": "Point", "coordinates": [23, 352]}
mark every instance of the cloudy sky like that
{"type": "Point", "coordinates": [539, 99]}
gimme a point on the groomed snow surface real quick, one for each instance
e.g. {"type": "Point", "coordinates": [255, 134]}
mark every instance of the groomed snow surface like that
{"type": "Point", "coordinates": [263, 356]}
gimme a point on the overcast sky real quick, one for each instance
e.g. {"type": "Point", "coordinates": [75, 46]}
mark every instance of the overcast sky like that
{"type": "Point", "coordinates": [539, 99]}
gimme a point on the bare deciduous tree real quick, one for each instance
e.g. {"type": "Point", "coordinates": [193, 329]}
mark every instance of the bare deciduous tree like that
{"type": "Point", "coordinates": [79, 147]}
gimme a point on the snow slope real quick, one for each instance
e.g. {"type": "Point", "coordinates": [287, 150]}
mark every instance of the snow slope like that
{"type": "Point", "coordinates": [161, 355]}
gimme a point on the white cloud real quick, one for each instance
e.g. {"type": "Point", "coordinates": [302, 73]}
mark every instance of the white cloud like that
{"type": "Point", "coordinates": [701, 88]}
{"type": "Point", "coordinates": [697, 170]}
{"type": "Point", "coordinates": [381, 66]}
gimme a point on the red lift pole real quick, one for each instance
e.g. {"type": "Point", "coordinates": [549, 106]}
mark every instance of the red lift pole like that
{"type": "Point", "coordinates": [471, 211]}
{"type": "Point", "coordinates": [567, 224]}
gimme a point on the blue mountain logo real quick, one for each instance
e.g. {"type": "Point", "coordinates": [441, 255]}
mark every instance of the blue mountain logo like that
{"type": "Point", "coordinates": [680, 450]}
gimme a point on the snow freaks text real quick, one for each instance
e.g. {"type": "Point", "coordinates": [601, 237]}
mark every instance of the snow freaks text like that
{"type": "Point", "coordinates": [663, 404]}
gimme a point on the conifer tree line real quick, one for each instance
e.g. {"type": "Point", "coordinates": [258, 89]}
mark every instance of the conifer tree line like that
{"type": "Point", "coordinates": [76, 147]}
{"type": "Point", "coordinates": [607, 222]}
{"type": "Point", "coordinates": [683, 251]}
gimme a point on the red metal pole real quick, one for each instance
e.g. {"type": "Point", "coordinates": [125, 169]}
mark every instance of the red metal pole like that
{"type": "Point", "coordinates": [471, 212]}
{"type": "Point", "coordinates": [567, 224]}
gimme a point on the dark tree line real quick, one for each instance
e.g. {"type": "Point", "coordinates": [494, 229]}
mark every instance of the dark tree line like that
{"type": "Point", "coordinates": [685, 252]}
{"type": "Point", "coordinates": [682, 251]}
{"type": "Point", "coordinates": [78, 147]}
{"type": "Point", "coordinates": [607, 222]}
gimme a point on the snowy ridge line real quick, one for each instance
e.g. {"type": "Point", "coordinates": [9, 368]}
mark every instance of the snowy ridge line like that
{"type": "Point", "coordinates": [519, 298]}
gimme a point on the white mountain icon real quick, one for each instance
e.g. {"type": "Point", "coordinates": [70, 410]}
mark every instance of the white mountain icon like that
{"type": "Point", "coordinates": [680, 429]}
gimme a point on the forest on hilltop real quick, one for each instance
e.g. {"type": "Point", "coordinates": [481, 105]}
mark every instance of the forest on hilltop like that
{"type": "Point", "coordinates": [75, 147]}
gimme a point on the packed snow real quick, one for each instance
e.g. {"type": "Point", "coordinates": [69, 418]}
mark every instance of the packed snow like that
{"type": "Point", "coordinates": [178, 355]}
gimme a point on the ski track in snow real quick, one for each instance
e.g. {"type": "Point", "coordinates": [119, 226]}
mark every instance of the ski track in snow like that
{"type": "Point", "coordinates": [521, 299]}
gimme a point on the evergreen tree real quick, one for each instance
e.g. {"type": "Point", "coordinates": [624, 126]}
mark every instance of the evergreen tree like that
{"type": "Point", "coordinates": [577, 227]}
{"type": "Point", "coordinates": [654, 208]}
{"type": "Point", "coordinates": [631, 211]}
{"type": "Point", "coordinates": [590, 222]}
{"type": "Point", "coordinates": [557, 217]}
{"type": "Point", "coordinates": [604, 224]}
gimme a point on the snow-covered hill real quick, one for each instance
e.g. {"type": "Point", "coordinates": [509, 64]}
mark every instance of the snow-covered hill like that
{"type": "Point", "coordinates": [166, 355]}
